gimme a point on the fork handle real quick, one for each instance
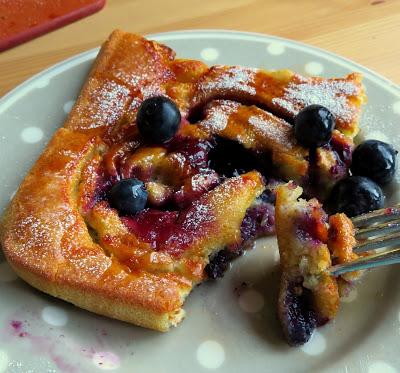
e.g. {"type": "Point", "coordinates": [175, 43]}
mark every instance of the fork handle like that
{"type": "Point", "coordinates": [367, 262]}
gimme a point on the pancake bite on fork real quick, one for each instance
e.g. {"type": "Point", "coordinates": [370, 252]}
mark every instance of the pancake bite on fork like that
{"type": "Point", "coordinates": [309, 243]}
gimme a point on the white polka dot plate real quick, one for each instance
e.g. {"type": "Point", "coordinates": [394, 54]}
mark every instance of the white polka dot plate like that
{"type": "Point", "coordinates": [231, 324]}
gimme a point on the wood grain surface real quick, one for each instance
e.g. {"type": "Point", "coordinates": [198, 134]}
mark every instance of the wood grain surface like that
{"type": "Point", "coordinates": [366, 31]}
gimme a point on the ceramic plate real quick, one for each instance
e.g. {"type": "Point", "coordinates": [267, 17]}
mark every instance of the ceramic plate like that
{"type": "Point", "coordinates": [231, 324]}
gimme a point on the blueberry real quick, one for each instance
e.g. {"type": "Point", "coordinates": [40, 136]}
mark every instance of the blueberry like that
{"type": "Point", "coordinates": [376, 160]}
{"type": "Point", "coordinates": [355, 195]}
{"type": "Point", "coordinates": [295, 311]}
{"type": "Point", "coordinates": [229, 158]}
{"type": "Point", "coordinates": [128, 196]}
{"type": "Point", "coordinates": [219, 263]}
{"type": "Point", "coordinates": [158, 119]}
{"type": "Point", "coordinates": [313, 126]}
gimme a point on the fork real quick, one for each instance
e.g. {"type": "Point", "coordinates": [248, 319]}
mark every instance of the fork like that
{"type": "Point", "coordinates": [374, 230]}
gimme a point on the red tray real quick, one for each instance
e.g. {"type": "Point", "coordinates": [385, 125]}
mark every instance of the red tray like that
{"type": "Point", "coordinates": [23, 20]}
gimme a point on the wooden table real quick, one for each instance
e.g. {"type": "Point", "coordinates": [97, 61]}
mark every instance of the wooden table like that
{"type": "Point", "coordinates": [366, 31]}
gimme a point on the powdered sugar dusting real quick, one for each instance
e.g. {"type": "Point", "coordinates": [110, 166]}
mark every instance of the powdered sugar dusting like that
{"type": "Point", "coordinates": [333, 94]}
{"type": "Point", "coordinates": [106, 107]}
{"type": "Point", "coordinates": [273, 129]}
{"type": "Point", "coordinates": [110, 103]}
{"type": "Point", "coordinates": [261, 124]}
{"type": "Point", "coordinates": [198, 215]}
{"type": "Point", "coordinates": [134, 80]}
{"type": "Point", "coordinates": [237, 79]}
{"type": "Point", "coordinates": [217, 115]}
{"type": "Point", "coordinates": [151, 90]}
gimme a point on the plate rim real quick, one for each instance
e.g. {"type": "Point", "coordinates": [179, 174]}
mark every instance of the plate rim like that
{"type": "Point", "coordinates": [12, 96]}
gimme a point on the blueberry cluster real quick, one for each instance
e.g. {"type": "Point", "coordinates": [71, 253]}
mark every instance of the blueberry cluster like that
{"type": "Point", "coordinates": [373, 164]}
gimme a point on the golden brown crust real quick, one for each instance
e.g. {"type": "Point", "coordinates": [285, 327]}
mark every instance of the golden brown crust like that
{"type": "Point", "coordinates": [127, 66]}
{"type": "Point", "coordinates": [341, 243]}
{"type": "Point", "coordinates": [109, 306]}
{"type": "Point", "coordinates": [285, 93]}
{"type": "Point", "coordinates": [47, 241]}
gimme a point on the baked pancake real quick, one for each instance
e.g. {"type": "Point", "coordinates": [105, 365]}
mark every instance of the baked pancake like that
{"type": "Point", "coordinates": [309, 243]}
{"type": "Point", "coordinates": [62, 234]}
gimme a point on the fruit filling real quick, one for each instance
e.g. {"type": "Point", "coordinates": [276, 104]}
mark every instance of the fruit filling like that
{"type": "Point", "coordinates": [157, 191]}
{"type": "Point", "coordinates": [157, 222]}
{"type": "Point", "coordinates": [170, 231]}
{"type": "Point", "coordinates": [158, 173]}
{"type": "Point", "coordinates": [155, 173]}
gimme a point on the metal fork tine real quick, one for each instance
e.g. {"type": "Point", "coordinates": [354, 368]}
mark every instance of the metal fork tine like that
{"type": "Point", "coordinates": [371, 261]}
{"type": "Point", "coordinates": [377, 216]}
{"type": "Point", "coordinates": [378, 229]}
{"type": "Point", "coordinates": [377, 243]}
